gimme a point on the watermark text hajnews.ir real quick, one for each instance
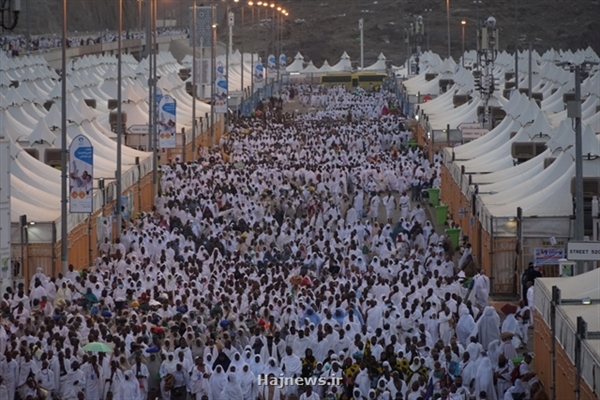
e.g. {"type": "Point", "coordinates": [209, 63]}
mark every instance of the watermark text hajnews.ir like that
{"type": "Point", "coordinates": [282, 382]}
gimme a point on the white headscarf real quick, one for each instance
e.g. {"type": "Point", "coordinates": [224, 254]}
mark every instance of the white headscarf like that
{"type": "Point", "coordinates": [232, 389]}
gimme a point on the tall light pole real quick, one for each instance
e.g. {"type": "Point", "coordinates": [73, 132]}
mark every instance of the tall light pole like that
{"type": "Point", "coordinates": [362, 47]}
{"type": "Point", "coordinates": [242, 57]}
{"type": "Point", "coordinates": [63, 154]}
{"type": "Point", "coordinates": [463, 24]}
{"type": "Point", "coordinates": [251, 4]}
{"type": "Point", "coordinates": [428, 11]}
{"type": "Point", "coordinates": [212, 84]}
{"type": "Point", "coordinates": [118, 213]}
{"type": "Point", "coordinates": [477, 3]}
{"type": "Point", "coordinates": [139, 14]}
{"type": "Point", "coordinates": [517, 44]}
{"type": "Point", "coordinates": [194, 82]}
{"type": "Point", "coordinates": [448, 23]}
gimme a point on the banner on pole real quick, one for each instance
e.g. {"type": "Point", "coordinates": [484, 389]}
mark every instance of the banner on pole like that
{"type": "Point", "coordinates": [204, 17]}
{"type": "Point", "coordinates": [221, 95]}
{"type": "Point", "coordinates": [167, 128]}
{"type": "Point", "coordinates": [259, 75]}
{"type": "Point", "coordinates": [271, 67]}
{"type": "Point", "coordinates": [81, 181]}
{"type": "Point", "coordinates": [159, 96]}
{"type": "Point", "coordinates": [220, 69]}
{"type": "Point", "coordinates": [547, 255]}
{"type": "Point", "coordinates": [282, 62]}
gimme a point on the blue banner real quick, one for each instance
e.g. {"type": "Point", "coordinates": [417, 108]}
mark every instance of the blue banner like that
{"type": "Point", "coordinates": [167, 127]}
{"type": "Point", "coordinates": [81, 180]}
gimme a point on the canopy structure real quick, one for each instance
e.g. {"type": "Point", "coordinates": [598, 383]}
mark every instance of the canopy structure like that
{"type": "Point", "coordinates": [297, 65]}
{"type": "Point", "coordinates": [573, 290]}
{"type": "Point", "coordinates": [344, 65]}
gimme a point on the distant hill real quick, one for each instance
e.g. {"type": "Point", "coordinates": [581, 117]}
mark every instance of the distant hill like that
{"type": "Point", "coordinates": [323, 29]}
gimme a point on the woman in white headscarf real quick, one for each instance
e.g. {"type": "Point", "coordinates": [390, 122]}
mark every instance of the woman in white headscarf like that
{"type": "Point", "coordinates": [236, 361]}
{"type": "Point", "coordinates": [466, 327]}
{"type": "Point", "coordinates": [128, 388]}
{"type": "Point", "coordinates": [232, 389]}
{"type": "Point", "coordinates": [519, 388]}
{"type": "Point", "coordinates": [248, 383]}
{"type": "Point", "coordinates": [484, 379]}
{"type": "Point", "coordinates": [257, 366]}
{"type": "Point", "coordinates": [217, 382]}
{"type": "Point", "coordinates": [511, 325]}
{"type": "Point", "coordinates": [167, 367]}
{"type": "Point", "coordinates": [488, 327]}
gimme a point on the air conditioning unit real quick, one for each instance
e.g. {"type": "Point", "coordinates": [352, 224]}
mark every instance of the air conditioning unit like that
{"type": "Point", "coordinates": [112, 118]}
{"type": "Point", "coordinates": [537, 96]}
{"type": "Point", "coordinates": [90, 103]}
{"type": "Point", "coordinates": [548, 161]}
{"type": "Point", "coordinates": [591, 187]}
{"type": "Point", "coordinates": [430, 77]}
{"type": "Point", "coordinates": [568, 97]}
{"type": "Point", "coordinates": [508, 76]}
{"type": "Point", "coordinates": [524, 91]}
{"type": "Point", "coordinates": [112, 104]}
{"type": "Point", "coordinates": [35, 153]}
{"type": "Point", "coordinates": [523, 150]}
{"type": "Point", "coordinates": [52, 157]}
{"type": "Point", "coordinates": [460, 99]}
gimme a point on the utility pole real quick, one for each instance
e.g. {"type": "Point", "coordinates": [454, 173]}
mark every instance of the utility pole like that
{"type": "Point", "coordinates": [448, 24]}
{"type": "Point", "coordinates": [362, 47]}
{"type": "Point", "coordinates": [574, 111]}
{"type": "Point", "coordinates": [63, 154]}
{"type": "Point", "coordinates": [118, 213]}
{"type": "Point", "coordinates": [212, 74]}
{"type": "Point", "coordinates": [530, 70]}
{"type": "Point", "coordinates": [517, 44]}
{"type": "Point", "coordinates": [194, 82]}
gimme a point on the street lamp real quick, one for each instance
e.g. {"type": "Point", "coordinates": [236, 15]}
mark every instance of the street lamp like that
{"type": "Point", "coordinates": [463, 24]}
{"type": "Point", "coordinates": [448, 24]}
{"type": "Point", "coordinates": [477, 3]}
{"type": "Point", "coordinates": [428, 11]}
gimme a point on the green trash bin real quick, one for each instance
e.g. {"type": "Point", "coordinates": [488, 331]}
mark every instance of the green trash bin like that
{"type": "Point", "coordinates": [453, 235]}
{"type": "Point", "coordinates": [441, 214]}
{"type": "Point", "coordinates": [434, 196]}
{"type": "Point", "coordinates": [412, 143]}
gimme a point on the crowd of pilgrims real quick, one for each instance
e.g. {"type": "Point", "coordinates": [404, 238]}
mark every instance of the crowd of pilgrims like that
{"type": "Point", "coordinates": [16, 44]}
{"type": "Point", "coordinates": [296, 252]}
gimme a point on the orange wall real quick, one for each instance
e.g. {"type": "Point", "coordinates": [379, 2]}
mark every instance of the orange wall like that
{"type": "Point", "coordinates": [565, 368]}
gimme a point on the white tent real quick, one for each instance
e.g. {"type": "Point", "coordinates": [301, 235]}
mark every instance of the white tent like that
{"type": "Point", "coordinates": [344, 65]}
{"type": "Point", "coordinates": [297, 65]}
{"type": "Point", "coordinates": [380, 65]}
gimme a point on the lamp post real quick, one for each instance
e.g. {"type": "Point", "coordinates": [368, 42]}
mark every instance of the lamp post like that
{"type": "Point", "coordinates": [427, 12]}
{"type": "Point", "coordinates": [362, 48]}
{"type": "Point", "coordinates": [463, 24]}
{"type": "Point", "coordinates": [251, 4]}
{"type": "Point", "coordinates": [194, 82]}
{"type": "Point", "coordinates": [517, 45]}
{"type": "Point", "coordinates": [118, 214]}
{"type": "Point", "coordinates": [63, 153]}
{"type": "Point", "coordinates": [139, 14]}
{"type": "Point", "coordinates": [212, 85]}
{"type": "Point", "coordinates": [242, 57]}
{"type": "Point", "coordinates": [477, 3]}
{"type": "Point", "coordinates": [448, 24]}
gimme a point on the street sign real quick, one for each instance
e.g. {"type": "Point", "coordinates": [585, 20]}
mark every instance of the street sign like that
{"type": "Point", "coordinates": [139, 129]}
{"type": "Point", "coordinates": [583, 251]}
{"type": "Point", "coordinates": [468, 125]}
{"type": "Point", "coordinates": [462, 212]}
{"type": "Point", "coordinates": [472, 133]}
